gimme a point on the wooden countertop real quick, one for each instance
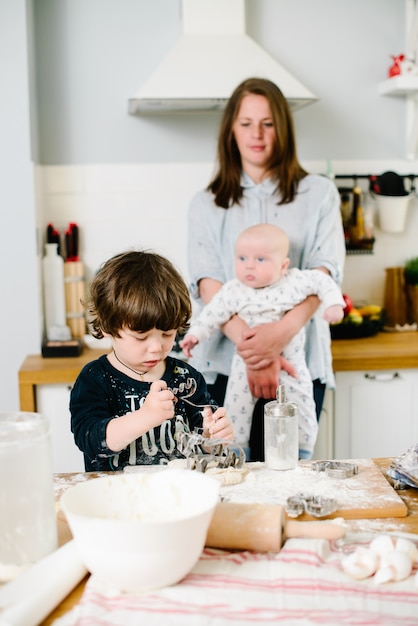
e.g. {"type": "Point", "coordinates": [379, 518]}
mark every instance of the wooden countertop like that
{"type": "Point", "coordinates": [383, 351]}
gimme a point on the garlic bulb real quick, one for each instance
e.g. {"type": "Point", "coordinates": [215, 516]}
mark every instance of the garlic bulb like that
{"type": "Point", "coordinates": [389, 559]}
{"type": "Point", "coordinates": [394, 566]}
{"type": "Point", "coordinates": [362, 563]}
{"type": "Point", "coordinates": [382, 544]}
{"type": "Point", "coordinates": [405, 545]}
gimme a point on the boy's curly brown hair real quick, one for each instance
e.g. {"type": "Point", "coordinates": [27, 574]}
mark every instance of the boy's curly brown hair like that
{"type": "Point", "coordinates": [138, 290]}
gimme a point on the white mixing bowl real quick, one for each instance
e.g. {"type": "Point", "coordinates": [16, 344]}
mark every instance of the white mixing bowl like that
{"type": "Point", "coordinates": [141, 531]}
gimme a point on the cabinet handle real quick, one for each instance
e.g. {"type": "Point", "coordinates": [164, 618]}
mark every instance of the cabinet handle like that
{"type": "Point", "coordinates": [382, 377]}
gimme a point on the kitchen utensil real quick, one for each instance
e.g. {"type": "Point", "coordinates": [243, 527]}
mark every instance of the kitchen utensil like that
{"type": "Point", "coordinates": [336, 469]}
{"type": "Point", "coordinates": [71, 242]}
{"type": "Point", "coordinates": [317, 506]}
{"type": "Point", "coordinates": [202, 453]}
{"type": "Point", "coordinates": [391, 184]}
{"type": "Point", "coordinates": [281, 441]}
{"type": "Point", "coordinates": [74, 297]}
{"type": "Point", "coordinates": [29, 599]}
{"type": "Point", "coordinates": [392, 211]}
{"type": "Point", "coordinates": [27, 521]}
{"type": "Point", "coordinates": [212, 407]}
{"type": "Point", "coordinates": [261, 527]}
{"type": "Point", "coordinates": [141, 531]}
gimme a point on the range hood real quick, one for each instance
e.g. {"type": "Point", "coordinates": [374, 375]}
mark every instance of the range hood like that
{"type": "Point", "coordinates": [210, 59]}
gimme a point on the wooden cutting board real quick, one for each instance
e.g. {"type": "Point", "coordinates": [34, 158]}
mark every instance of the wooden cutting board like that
{"type": "Point", "coordinates": [365, 495]}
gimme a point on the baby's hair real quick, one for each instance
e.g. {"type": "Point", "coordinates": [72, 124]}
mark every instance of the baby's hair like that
{"type": "Point", "coordinates": [138, 290]}
{"type": "Point", "coordinates": [269, 232]}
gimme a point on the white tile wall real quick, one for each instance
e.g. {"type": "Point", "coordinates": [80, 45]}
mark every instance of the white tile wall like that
{"type": "Point", "coordinates": [145, 205]}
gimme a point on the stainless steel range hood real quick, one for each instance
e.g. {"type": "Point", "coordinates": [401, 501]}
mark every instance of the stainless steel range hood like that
{"type": "Point", "coordinates": [210, 59]}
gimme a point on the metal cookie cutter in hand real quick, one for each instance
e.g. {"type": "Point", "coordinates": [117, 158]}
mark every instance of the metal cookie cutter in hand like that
{"type": "Point", "coordinates": [200, 451]}
{"type": "Point", "coordinates": [317, 506]}
{"type": "Point", "coordinates": [336, 469]}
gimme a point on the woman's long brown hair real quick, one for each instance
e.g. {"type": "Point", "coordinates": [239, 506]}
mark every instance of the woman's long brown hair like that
{"type": "Point", "coordinates": [285, 167]}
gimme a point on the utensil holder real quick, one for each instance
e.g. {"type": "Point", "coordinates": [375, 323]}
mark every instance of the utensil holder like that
{"type": "Point", "coordinates": [392, 211]}
{"type": "Point", "coordinates": [74, 297]}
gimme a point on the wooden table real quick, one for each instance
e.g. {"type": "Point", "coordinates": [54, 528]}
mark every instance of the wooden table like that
{"type": "Point", "coordinates": [408, 524]}
{"type": "Point", "coordinates": [383, 351]}
{"type": "Point", "coordinates": [37, 370]}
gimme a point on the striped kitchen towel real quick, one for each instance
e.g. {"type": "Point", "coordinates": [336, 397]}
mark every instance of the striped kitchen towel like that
{"type": "Point", "coordinates": [302, 585]}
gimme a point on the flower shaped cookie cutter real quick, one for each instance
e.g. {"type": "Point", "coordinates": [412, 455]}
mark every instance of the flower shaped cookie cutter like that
{"type": "Point", "coordinates": [317, 506]}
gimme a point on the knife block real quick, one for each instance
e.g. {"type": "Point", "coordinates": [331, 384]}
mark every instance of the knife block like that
{"type": "Point", "coordinates": [74, 297]}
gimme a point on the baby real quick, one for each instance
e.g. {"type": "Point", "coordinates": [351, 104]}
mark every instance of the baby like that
{"type": "Point", "coordinates": [263, 291]}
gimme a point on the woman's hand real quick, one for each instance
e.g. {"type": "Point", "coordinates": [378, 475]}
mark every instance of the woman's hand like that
{"type": "Point", "coordinates": [262, 344]}
{"type": "Point", "coordinates": [217, 425]}
{"type": "Point", "coordinates": [263, 382]}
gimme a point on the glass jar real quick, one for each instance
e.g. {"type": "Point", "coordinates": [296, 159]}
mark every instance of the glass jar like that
{"type": "Point", "coordinates": [281, 433]}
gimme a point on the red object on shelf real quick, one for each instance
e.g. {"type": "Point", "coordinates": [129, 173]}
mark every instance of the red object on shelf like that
{"type": "Point", "coordinates": [396, 69]}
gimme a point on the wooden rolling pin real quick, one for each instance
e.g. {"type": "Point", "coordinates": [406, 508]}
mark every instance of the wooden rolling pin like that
{"type": "Point", "coordinates": [261, 528]}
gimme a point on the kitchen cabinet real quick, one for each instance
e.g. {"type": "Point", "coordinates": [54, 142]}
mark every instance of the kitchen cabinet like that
{"type": "Point", "coordinates": [375, 413]}
{"type": "Point", "coordinates": [324, 446]}
{"type": "Point", "coordinates": [53, 401]}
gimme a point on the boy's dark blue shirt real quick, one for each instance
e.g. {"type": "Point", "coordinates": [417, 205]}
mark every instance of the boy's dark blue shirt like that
{"type": "Point", "coordinates": [101, 393]}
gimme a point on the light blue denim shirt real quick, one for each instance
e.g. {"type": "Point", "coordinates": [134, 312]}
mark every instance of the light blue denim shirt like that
{"type": "Point", "coordinates": [313, 224]}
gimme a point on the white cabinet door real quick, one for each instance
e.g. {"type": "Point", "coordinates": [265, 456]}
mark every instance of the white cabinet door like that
{"type": "Point", "coordinates": [53, 401]}
{"type": "Point", "coordinates": [324, 446]}
{"type": "Point", "coordinates": [376, 413]}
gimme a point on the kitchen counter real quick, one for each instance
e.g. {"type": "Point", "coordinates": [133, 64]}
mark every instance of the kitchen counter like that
{"type": "Point", "coordinates": [408, 524]}
{"type": "Point", "coordinates": [383, 351]}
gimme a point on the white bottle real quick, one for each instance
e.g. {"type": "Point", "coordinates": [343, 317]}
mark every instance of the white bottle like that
{"type": "Point", "coordinates": [54, 294]}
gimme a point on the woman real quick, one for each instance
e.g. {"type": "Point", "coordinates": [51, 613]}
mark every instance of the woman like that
{"type": "Point", "coordinates": [259, 179]}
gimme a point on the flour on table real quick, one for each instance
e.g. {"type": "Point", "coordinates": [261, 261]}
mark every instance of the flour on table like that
{"type": "Point", "coordinates": [266, 486]}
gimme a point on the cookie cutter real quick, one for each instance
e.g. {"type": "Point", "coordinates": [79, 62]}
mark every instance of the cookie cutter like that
{"type": "Point", "coordinates": [317, 506]}
{"type": "Point", "coordinates": [336, 469]}
{"type": "Point", "coordinates": [202, 452]}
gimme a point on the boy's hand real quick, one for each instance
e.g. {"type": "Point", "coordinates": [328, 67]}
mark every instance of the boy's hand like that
{"type": "Point", "coordinates": [159, 403]}
{"type": "Point", "coordinates": [189, 342]}
{"type": "Point", "coordinates": [217, 425]}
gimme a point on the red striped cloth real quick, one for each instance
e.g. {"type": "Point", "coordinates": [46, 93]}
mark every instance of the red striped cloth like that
{"type": "Point", "coordinates": [303, 585]}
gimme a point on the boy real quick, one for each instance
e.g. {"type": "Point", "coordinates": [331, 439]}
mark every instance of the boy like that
{"type": "Point", "coordinates": [263, 291]}
{"type": "Point", "coordinates": [126, 407]}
